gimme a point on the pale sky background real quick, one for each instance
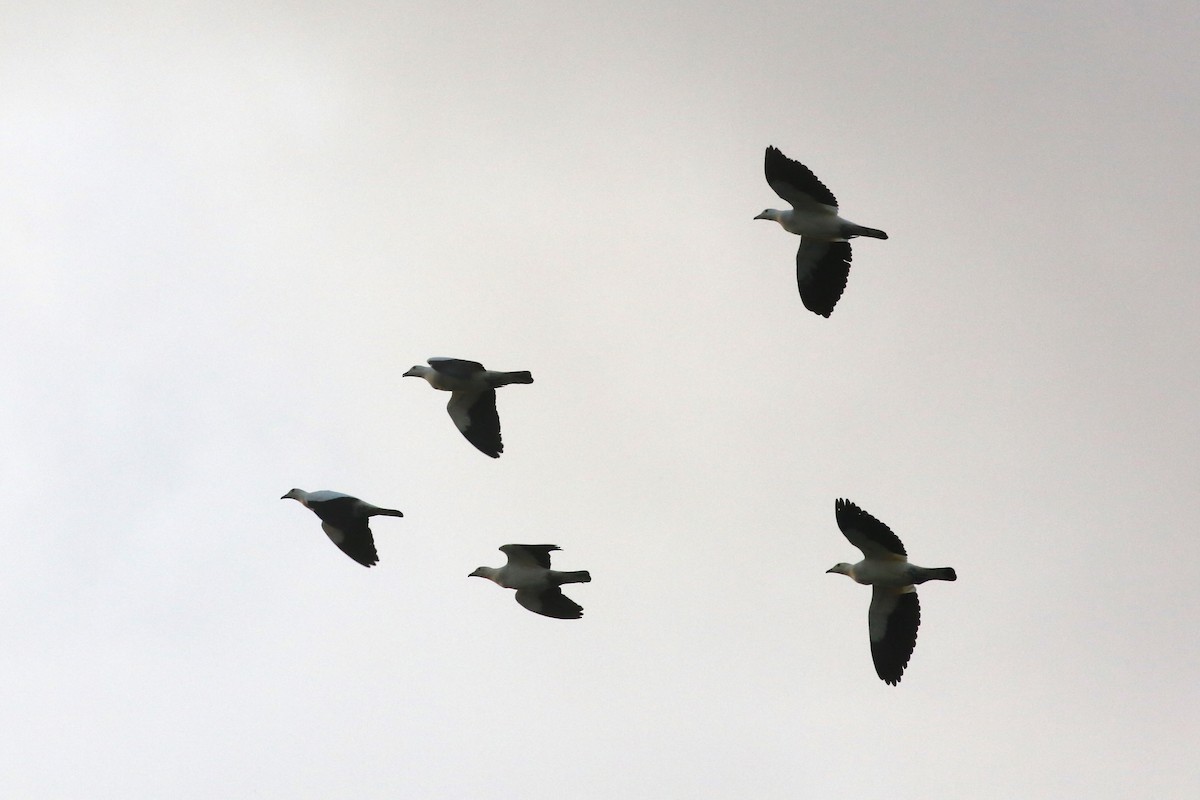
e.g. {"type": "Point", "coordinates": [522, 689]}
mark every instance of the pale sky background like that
{"type": "Point", "coordinates": [226, 229]}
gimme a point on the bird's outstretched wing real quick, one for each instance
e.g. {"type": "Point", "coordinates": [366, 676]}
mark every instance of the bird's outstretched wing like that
{"type": "Point", "coordinates": [822, 269]}
{"type": "Point", "coordinates": [868, 534]}
{"type": "Point", "coordinates": [796, 183]}
{"type": "Point", "coordinates": [892, 622]}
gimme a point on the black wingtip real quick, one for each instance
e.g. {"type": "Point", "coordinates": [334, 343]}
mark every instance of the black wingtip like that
{"type": "Point", "coordinates": [367, 559]}
{"type": "Point", "coordinates": [484, 445]}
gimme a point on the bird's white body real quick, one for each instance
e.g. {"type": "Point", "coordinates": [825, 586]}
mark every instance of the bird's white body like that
{"type": "Point", "coordinates": [517, 576]}
{"type": "Point", "coordinates": [823, 225]}
{"type": "Point", "coordinates": [881, 572]}
{"type": "Point", "coordinates": [321, 496]}
{"type": "Point", "coordinates": [528, 571]}
{"type": "Point", "coordinates": [823, 258]}
{"type": "Point", "coordinates": [345, 520]}
{"type": "Point", "coordinates": [895, 612]}
{"type": "Point", "coordinates": [893, 573]}
{"type": "Point", "coordinates": [472, 404]}
{"type": "Point", "coordinates": [474, 382]}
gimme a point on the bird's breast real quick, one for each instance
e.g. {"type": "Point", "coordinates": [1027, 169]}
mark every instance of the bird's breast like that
{"type": "Point", "coordinates": [882, 573]}
{"type": "Point", "coordinates": [818, 226]}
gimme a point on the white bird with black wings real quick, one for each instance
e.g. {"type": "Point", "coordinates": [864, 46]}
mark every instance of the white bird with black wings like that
{"type": "Point", "coordinates": [895, 613]}
{"type": "Point", "coordinates": [528, 571]}
{"type": "Point", "coordinates": [345, 521]}
{"type": "Point", "coordinates": [472, 404]}
{"type": "Point", "coordinates": [823, 260]}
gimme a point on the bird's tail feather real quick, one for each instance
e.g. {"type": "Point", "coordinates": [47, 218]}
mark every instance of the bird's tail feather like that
{"type": "Point", "coordinates": [859, 230]}
{"type": "Point", "coordinates": [386, 512]}
{"type": "Point", "coordinates": [524, 376]}
{"type": "Point", "coordinates": [941, 574]}
{"type": "Point", "coordinates": [580, 576]}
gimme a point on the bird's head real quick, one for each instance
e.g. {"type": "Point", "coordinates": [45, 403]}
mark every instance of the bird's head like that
{"type": "Point", "coordinates": [770, 214]}
{"type": "Point", "coordinates": [483, 572]}
{"type": "Point", "coordinates": [842, 569]}
{"type": "Point", "coordinates": [416, 371]}
{"type": "Point", "coordinates": [294, 494]}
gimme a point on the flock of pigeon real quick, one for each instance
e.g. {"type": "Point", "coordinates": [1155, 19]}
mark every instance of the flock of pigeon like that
{"type": "Point", "coordinates": [822, 268]}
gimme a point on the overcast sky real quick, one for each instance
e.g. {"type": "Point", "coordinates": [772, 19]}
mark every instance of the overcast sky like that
{"type": "Point", "coordinates": [227, 229]}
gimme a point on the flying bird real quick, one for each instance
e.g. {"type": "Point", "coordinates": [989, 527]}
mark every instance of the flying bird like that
{"type": "Point", "coordinates": [528, 571]}
{"type": "Point", "coordinates": [344, 520]}
{"type": "Point", "coordinates": [472, 403]}
{"type": "Point", "coordinates": [895, 613]}
{"type": "Point", "coordinates": [823, 260]}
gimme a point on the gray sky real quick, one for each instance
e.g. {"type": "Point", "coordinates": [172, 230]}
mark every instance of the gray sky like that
{"type": "Point", "coordinates": [226, 230]}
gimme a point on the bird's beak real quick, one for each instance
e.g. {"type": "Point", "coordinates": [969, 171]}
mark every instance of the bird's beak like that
{"type": "Point", "coordinates": [829, 570]}
{"type": "Point", "coordinates": [763, 215]}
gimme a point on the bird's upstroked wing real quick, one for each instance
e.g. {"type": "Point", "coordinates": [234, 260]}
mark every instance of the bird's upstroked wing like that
{"type": "Point", "coordinates": [529, 555]}
{"type": "Point", "coordinates": [868, 534]}
{"type": "Point", "coordinates": [797, 184]}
